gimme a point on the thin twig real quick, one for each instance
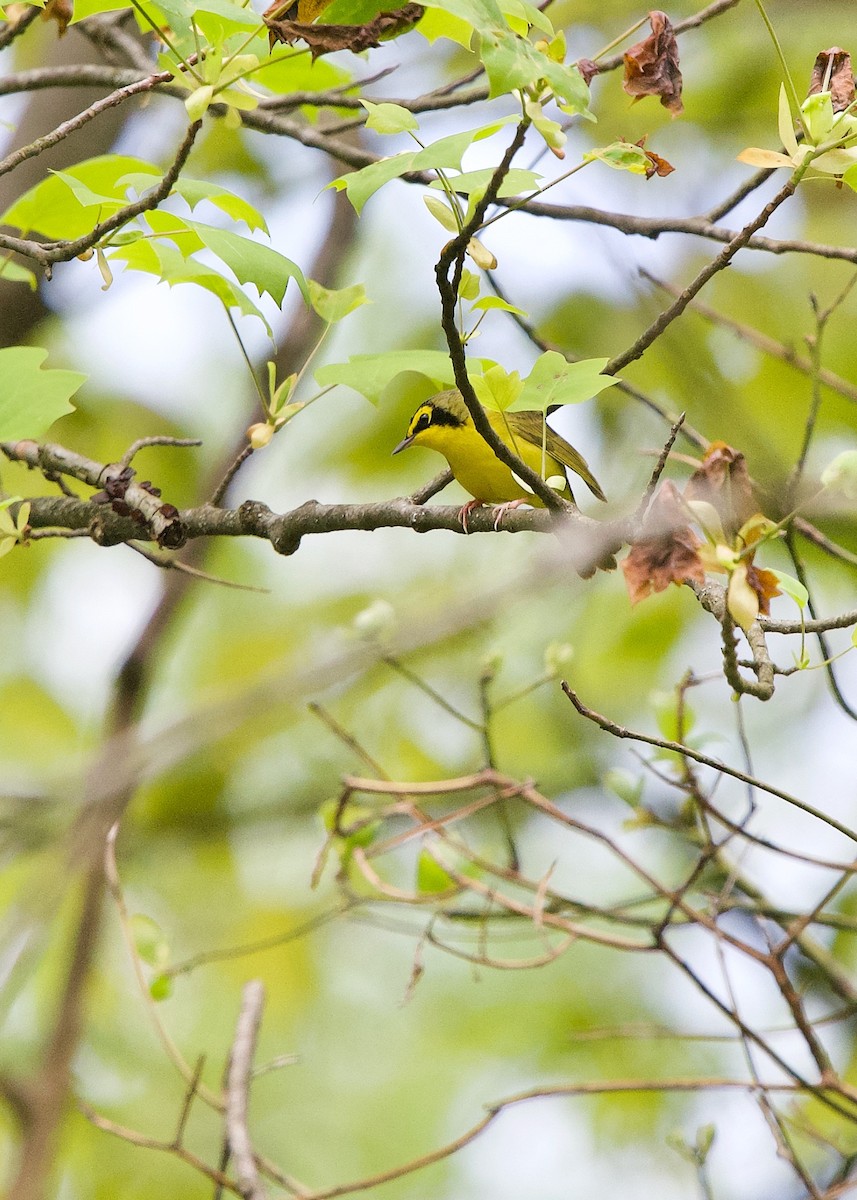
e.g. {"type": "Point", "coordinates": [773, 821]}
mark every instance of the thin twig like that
{"type": "Point", "coordinates": [239, 1077]}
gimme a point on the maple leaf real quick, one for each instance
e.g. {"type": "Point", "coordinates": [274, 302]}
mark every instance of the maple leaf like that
{"type": "Point", "coordinates": [651, 66]}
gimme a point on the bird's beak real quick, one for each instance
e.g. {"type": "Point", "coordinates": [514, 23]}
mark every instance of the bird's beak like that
{"type": "Point", "coordinates": [403, 444]}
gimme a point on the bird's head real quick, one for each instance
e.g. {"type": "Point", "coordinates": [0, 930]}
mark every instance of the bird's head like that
{"type": "Point", "coordinates": [434, 420]}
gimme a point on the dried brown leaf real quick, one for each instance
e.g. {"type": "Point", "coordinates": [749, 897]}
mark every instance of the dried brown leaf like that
{"type": "Point", "coordinates": [588, 69]}
{"type": "Point", "coordinates": [60, 11]}
{"type": "Point", "coordinates": [723, 481]}
{"type": "Point", "coordinates": [832, 73]}
{"type": "Point", "coordinates": [651, 66]}
{"type": "Point", "coordinates": [657, 165]}
{"type": "Point", "coordinates": [325, 39]}
{"type": "Point", "coordinates": [765, 584]}
{"type": "Point", "coordinates": [667, 553]}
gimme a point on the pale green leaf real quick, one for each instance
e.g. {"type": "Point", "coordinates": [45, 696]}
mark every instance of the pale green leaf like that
{"type": "Point", "coordinates": [515, 182]}
{"type": "Point", "coordinates": [498, 389]}
{"type": "Point", "coordinates": [197, 103]}
{"type": "Point", "coordinates": [441, 212]}
{"type": "Point", "coordinates": [389, 118]}
{"type": "Point", "coordinates": [792, 587]}
{"type": "Point", "coordinates": [554, 380]}
{"type": "Point", "coordinates": [149, 941]}
{"type": "Point", "coordinates": [785, 122]}
{"type": "Point", "coordinates": [371, 374]}
{"type": "Point", "coordinates": [491, 302]}
{"type": "Point", "coordinates": [841, 474]}
{"type": "Point", "coordinates": [31, 399]}
{"type": "Point", "coordinates": [332, 305]}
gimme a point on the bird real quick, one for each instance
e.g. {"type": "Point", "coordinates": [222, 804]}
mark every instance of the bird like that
{"type": "Point", "coordinates": [443, 423]}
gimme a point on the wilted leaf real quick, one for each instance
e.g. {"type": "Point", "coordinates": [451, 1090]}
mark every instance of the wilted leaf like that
{"type": "Point", "coordinates": [766, 585]}
{"type": "Point", "coordinates": [723, 482]}
{"type": "Point", "coordinates": [832, 73]}
{"type": "Point", "coordinates": [669, 553]}
{"type": "Point", "coordinates": [757, 156]}
{"type": "Point", "coordinates": [325, 39]}
{"type": "Point", "coordinates": [657, 165]}
{"type": "Point", "coordinates": [651, 66]}
{"type": "Point", "coordinates": [60, 11]}
{"type": "Point", "coordinates": [588, 69]}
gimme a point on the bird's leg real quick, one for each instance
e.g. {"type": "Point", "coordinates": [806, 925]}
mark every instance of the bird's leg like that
{"type": "Point", "coordinates": [501, 509]}
{"type": "Point", "coordinates": [465, 512]}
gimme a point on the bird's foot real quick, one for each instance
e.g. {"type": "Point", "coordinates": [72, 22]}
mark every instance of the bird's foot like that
{"type": "Point", "coordinates": [465, 512]}
{"type": "Point", "coordinates": [501, 510]}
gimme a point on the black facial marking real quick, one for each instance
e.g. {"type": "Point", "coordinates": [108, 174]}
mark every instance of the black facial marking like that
{"type": "Point", "coordinates": [440, 416]}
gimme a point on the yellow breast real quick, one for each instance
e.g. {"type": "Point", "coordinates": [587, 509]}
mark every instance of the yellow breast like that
{"type": "Point", "coordinates": [477, 468]}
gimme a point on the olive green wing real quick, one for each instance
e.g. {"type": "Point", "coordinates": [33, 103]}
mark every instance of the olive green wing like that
{"type": "Point", "coordinates": [530, 426]}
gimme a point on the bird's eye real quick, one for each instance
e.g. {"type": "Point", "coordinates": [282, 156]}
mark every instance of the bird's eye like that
{"type": "Point", "coordinates": [424, 421]}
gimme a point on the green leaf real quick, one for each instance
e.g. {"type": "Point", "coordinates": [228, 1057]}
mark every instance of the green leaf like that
{"type": "Point", "coordinates": [792, 587]}
{"type": "Point", "coordinates": [437, 23]}
{"type": "Point", "coordinates": [441, 212]}
{"type": "Point", "coordinates": [481, 15]}
{"type": "Point", "coordinates": [471, 182]}
{"type": "Point", "coordinates": [444, 154]}
{"type": "Point", "coordinates": [514, 64]}
{"type": "Point", "coordinates": [468, 285]}
{"type": "Point", "coordinates": [197, 103]}
{"type": "Point", "coordinates": [553, 380]}
{"type": "Point", "coordinates": [841, 474]}
{"type": "Point", "coordinates": [173, 267]}
{"type": "Point", "coordinates": [490, 302]}
{"type": "Point", "coordinates": [361, 185]}
{"type": "Point", "coordinates": [371, 374]}
{"type": "Point", "coordinates": [89, 8]}
{"type": "Point", "coordinates": [252, 262]}
{"type": "Point", "coordinates": [149, 941]}
{"type": "Point", "coordinates": [13, 272]}
{"type": "Point", "coordinates": [233, 17]}
{"type": "Point", "coordinates": [432, 879]}
{"type": "Point", "coordinates": [622, 156]}
{"type": "Point", "coordinates": [51, 207]}
{"type": "Point", "coordinates": [447, 152]}
{"type": "Point", "coordinates": [672, 725]}
{"type": "Point", "coordinates": [87, 197]}
{"type": "Point", "coordinates": [332, 305]}
{"type": "Point", "coordinates": [389, 118]}
{"type": "Point", "coordinates": [32, 399]}
{"type": "Point", "coordinates": [193, 191]}
{"type": "Point", "coordinates": [498, 390]}
{"type": "Point", "coordinates": [161, 987]}
{"type": "Point", "coordinates": [287, 71]}
{"type": "Point", "coordinates": [625, 785]}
